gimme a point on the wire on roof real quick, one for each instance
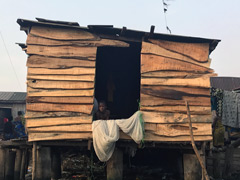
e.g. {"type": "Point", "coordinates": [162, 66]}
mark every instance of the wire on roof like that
{"type": "Point", "coordinates": [165, 9]}
{"type": "Point", "coordinates": [10, 61]}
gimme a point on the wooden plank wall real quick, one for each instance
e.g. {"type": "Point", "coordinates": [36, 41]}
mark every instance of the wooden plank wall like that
{"type": "Point", "coordinates": [172, 72]}
{"type": "Point", "coordinates": [60, 82]}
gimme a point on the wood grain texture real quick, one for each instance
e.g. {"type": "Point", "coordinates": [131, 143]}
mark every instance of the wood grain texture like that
{"type": "Point", "coordinates": [47, 107]}
{"type": "Point", "coordinates": [149, 48]}
{"type": "Point", "coordinates": [200, 110]}
{"type": "Point", "coordinates": [42, 84]}
{"type": "Point", "coordinates": [152, 63]}
{"type": "Point", "coordinates": [175, 92]}
{"type": "Point", "coordinates": [63, 51]}
{"type": "Point", "coordinates": [62, 33]}
{"type": "Point", "coordinates": [169, 118]}
{"type": "Point", "coordinates": [37, 40]}
{"type": "Point", "coordinates": [57, 63]}
{"type": "Point", "coordinates": [148, 100]}
{"type": "Point", "coordinates": [197, 82]}
{"type": "Point", "coordinates": [61, 100]}
{"type": "Point", "coordinates": [176, 74]}
{"type": "Point", "coordinates": [54, 121]}
{"type": "Point", "coordinates": [69, 71]}
{"type": "Point", "coordinates": [53, 93]}
{"type": "Point", "coordinates": [63, 128]}
{"type": "Point", "coordinates": [37, 115]}
{"type": "Point", "coordinates": [86, 78]}
{"type": "Point", "coordinates": [196, 51]}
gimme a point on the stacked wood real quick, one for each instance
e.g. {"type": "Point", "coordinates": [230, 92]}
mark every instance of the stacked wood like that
{"type": "Point", "coordinates": [60, 81]}
{"type": "Point", "coordinates": [172, 73]}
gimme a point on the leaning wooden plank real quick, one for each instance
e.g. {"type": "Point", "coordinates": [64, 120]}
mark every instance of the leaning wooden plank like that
{"type": "Point", "coordinates": [175, 92]}
{"type": "Point", "coordinates": [196, 51]}
{"type": "Point", "coordinates": [54, 121]}
{"type": "Point", "coordinates": [36, 40]}
{"type": "Point", "coordinates": [169, 118]}
{"type": "Point", "coordinates": [176, 74]}
{"type": "Point", "coordinates": [57, 63]}
{"type": "Point", "coordinates": [85, 78]}
{"type": "Point", "coordinates": [152, 63]}
{"type": "Point", "coordinates": [204, 110]}
{"type": "Point", "coordinates": [58, 136]}
{"type": "Point", "coordinates": [69, 71]}
{"type": "Point", "coordinates": [47, 107]}
{"type": "Point", "coordinates": [148, 100]}
{"type": "Point", "coordinates": [42, 84]}
{"type": "Point", "coordinates": [197, 82]}
{"type": "Point", "coordinates": [37, 115]}
{"type": "Point", "coordinates": [63, 51]}
{"type": "Point", "coordinates": [173, 130]}
{"type": "Point", "coordinates": [62, 33]}
{"type": "Point", "coordinates": [61, 100]}
{"type": "Point", "coordinates": [42, 92]}
{"type": "Point", "coordinates": [150, 137]}
{"type": "Point", "coordinates": [63, 128]}
{"type": "Point", "coordinates": [149, 48]}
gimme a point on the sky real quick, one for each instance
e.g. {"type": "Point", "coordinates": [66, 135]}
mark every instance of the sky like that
{"type": "Point", "coordinates": [214, 19]}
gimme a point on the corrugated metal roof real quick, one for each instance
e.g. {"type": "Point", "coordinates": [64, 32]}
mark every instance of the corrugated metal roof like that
{"type": "Point", "coordinates": [225, 83]}
{"type": "Point", "coordinates": [13, 96]}
{"type": "Point", "coordinates": [108, 31]}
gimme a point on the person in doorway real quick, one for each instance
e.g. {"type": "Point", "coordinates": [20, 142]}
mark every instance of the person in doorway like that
{"type": "Point", "coordinates": [8, 130]}
{"type": "Point", "coordinates": [103, 113]}
{"type": "Point", "coordinates": [20, 117]}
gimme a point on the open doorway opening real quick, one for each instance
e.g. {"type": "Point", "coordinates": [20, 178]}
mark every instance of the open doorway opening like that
{"type": "Point", "coordinates": [4, 113]}
{"type": "Point", "coordinates": [118, 79]}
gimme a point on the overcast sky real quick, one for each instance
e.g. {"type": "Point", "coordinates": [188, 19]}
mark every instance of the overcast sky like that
{"type": "Point", "coordinates": [215, 19]}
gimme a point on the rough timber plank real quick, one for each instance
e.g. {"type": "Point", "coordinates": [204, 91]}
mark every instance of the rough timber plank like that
{"type": "Point", "coordinates": [60, 84]}
{"type": "Point", "coordinates": [197, 82]}
{"type": "Point", "coordinates": [42, 92]}
{"type": "Point", "coordinates": [78, 136]}
{"type": "Point", "coordinates": [36, 40]}
{"type": "Point", "coordinates": [148, 100]}
{"type": "Point", "coordinates": [61, 100]}
{"type": "Point", "coordinates": [63, 128]}
{"type": "Point", "coordinates": [63, 51]}
{"type": "Point", "coordinates": [176, 74]}
{"type": "Point", "coordinates": [58, 121]}
{"type": "Point", "coordinates": [169, 118]}
{"type": "Point", "coordinates": [62, 33]}
{"type": "Point", "coordinates": [70, 71]}
{"type": "Point", "coordinates": [197, 51]}
{"type": "Point", "coordinates": [205, 110]}
{"type": "Point", "coordinates": [47, 107]}
{"type": "Point", "coordinates": [58, 136]}
{"type": "Point", "coordinates": [57, 63]}
{"type": "Point", "coordinates": [151, 63]}
{"type": "Point", "coordinates": [89, 78]}
{"type": "Point", "coordinates": [174, 92]}
{"type": "Point", "coordinates": [37, 115]}
{"type": "Point", "coordinates": [149, 48]}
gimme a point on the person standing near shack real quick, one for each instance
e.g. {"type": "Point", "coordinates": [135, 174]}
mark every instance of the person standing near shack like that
{"type": "Point", "coordinates": [103, 113]}
{"type": "Point", "coordinates": [8, 130]}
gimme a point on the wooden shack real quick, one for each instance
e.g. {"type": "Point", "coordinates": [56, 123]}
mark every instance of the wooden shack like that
{"type": "Point", "coordinates": [69, 65]}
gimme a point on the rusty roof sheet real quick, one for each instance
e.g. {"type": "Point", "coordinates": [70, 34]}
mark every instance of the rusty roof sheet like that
{"type": "Point", "coordinates": [225, 83]}
{"type": "Point", "coordinates": [117, 33]}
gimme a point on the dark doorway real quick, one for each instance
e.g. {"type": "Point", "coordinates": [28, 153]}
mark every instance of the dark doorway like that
{"type": "Point", "coordinates": [118, 79]}
{"type": "Point", "coordinates": [4, 113]}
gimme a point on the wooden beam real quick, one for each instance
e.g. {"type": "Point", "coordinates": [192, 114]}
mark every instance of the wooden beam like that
{"type": "Point", "coordinates": [62, 33]}
{"type": "Point", "coordinates": [152, 63]}
{"type": "Point", "coordinates": [55, 121]}
{"type": "Point", "coordinates": [48, 107]}
{"type": "Point", "coordinates": [63, 51]}
{"type": "Point", "coordinates": [36, 114]}
{"type": "Point", "coordinates": [69, 71]}
{"type": "Point", "coordinates": [42, 84]}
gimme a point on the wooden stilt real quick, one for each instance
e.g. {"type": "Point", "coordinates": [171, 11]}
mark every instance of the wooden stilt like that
{"type": "Point", "coordinates": [115, 166]}
{"type": "Point", "coordinates": [56, 164]}
{"type": "Point", "coordinates": [18, 163]}
{"type": "Point", "coordinates": [34, 156]}
{"type": "Point", "coordinates": [23, 164]}
{"type": "Point", "coordinates": [192, 168]}
{"type": "Point", "coordinates": [2, 162]}
{"type": "Point", "coordinates": [9, 165]}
